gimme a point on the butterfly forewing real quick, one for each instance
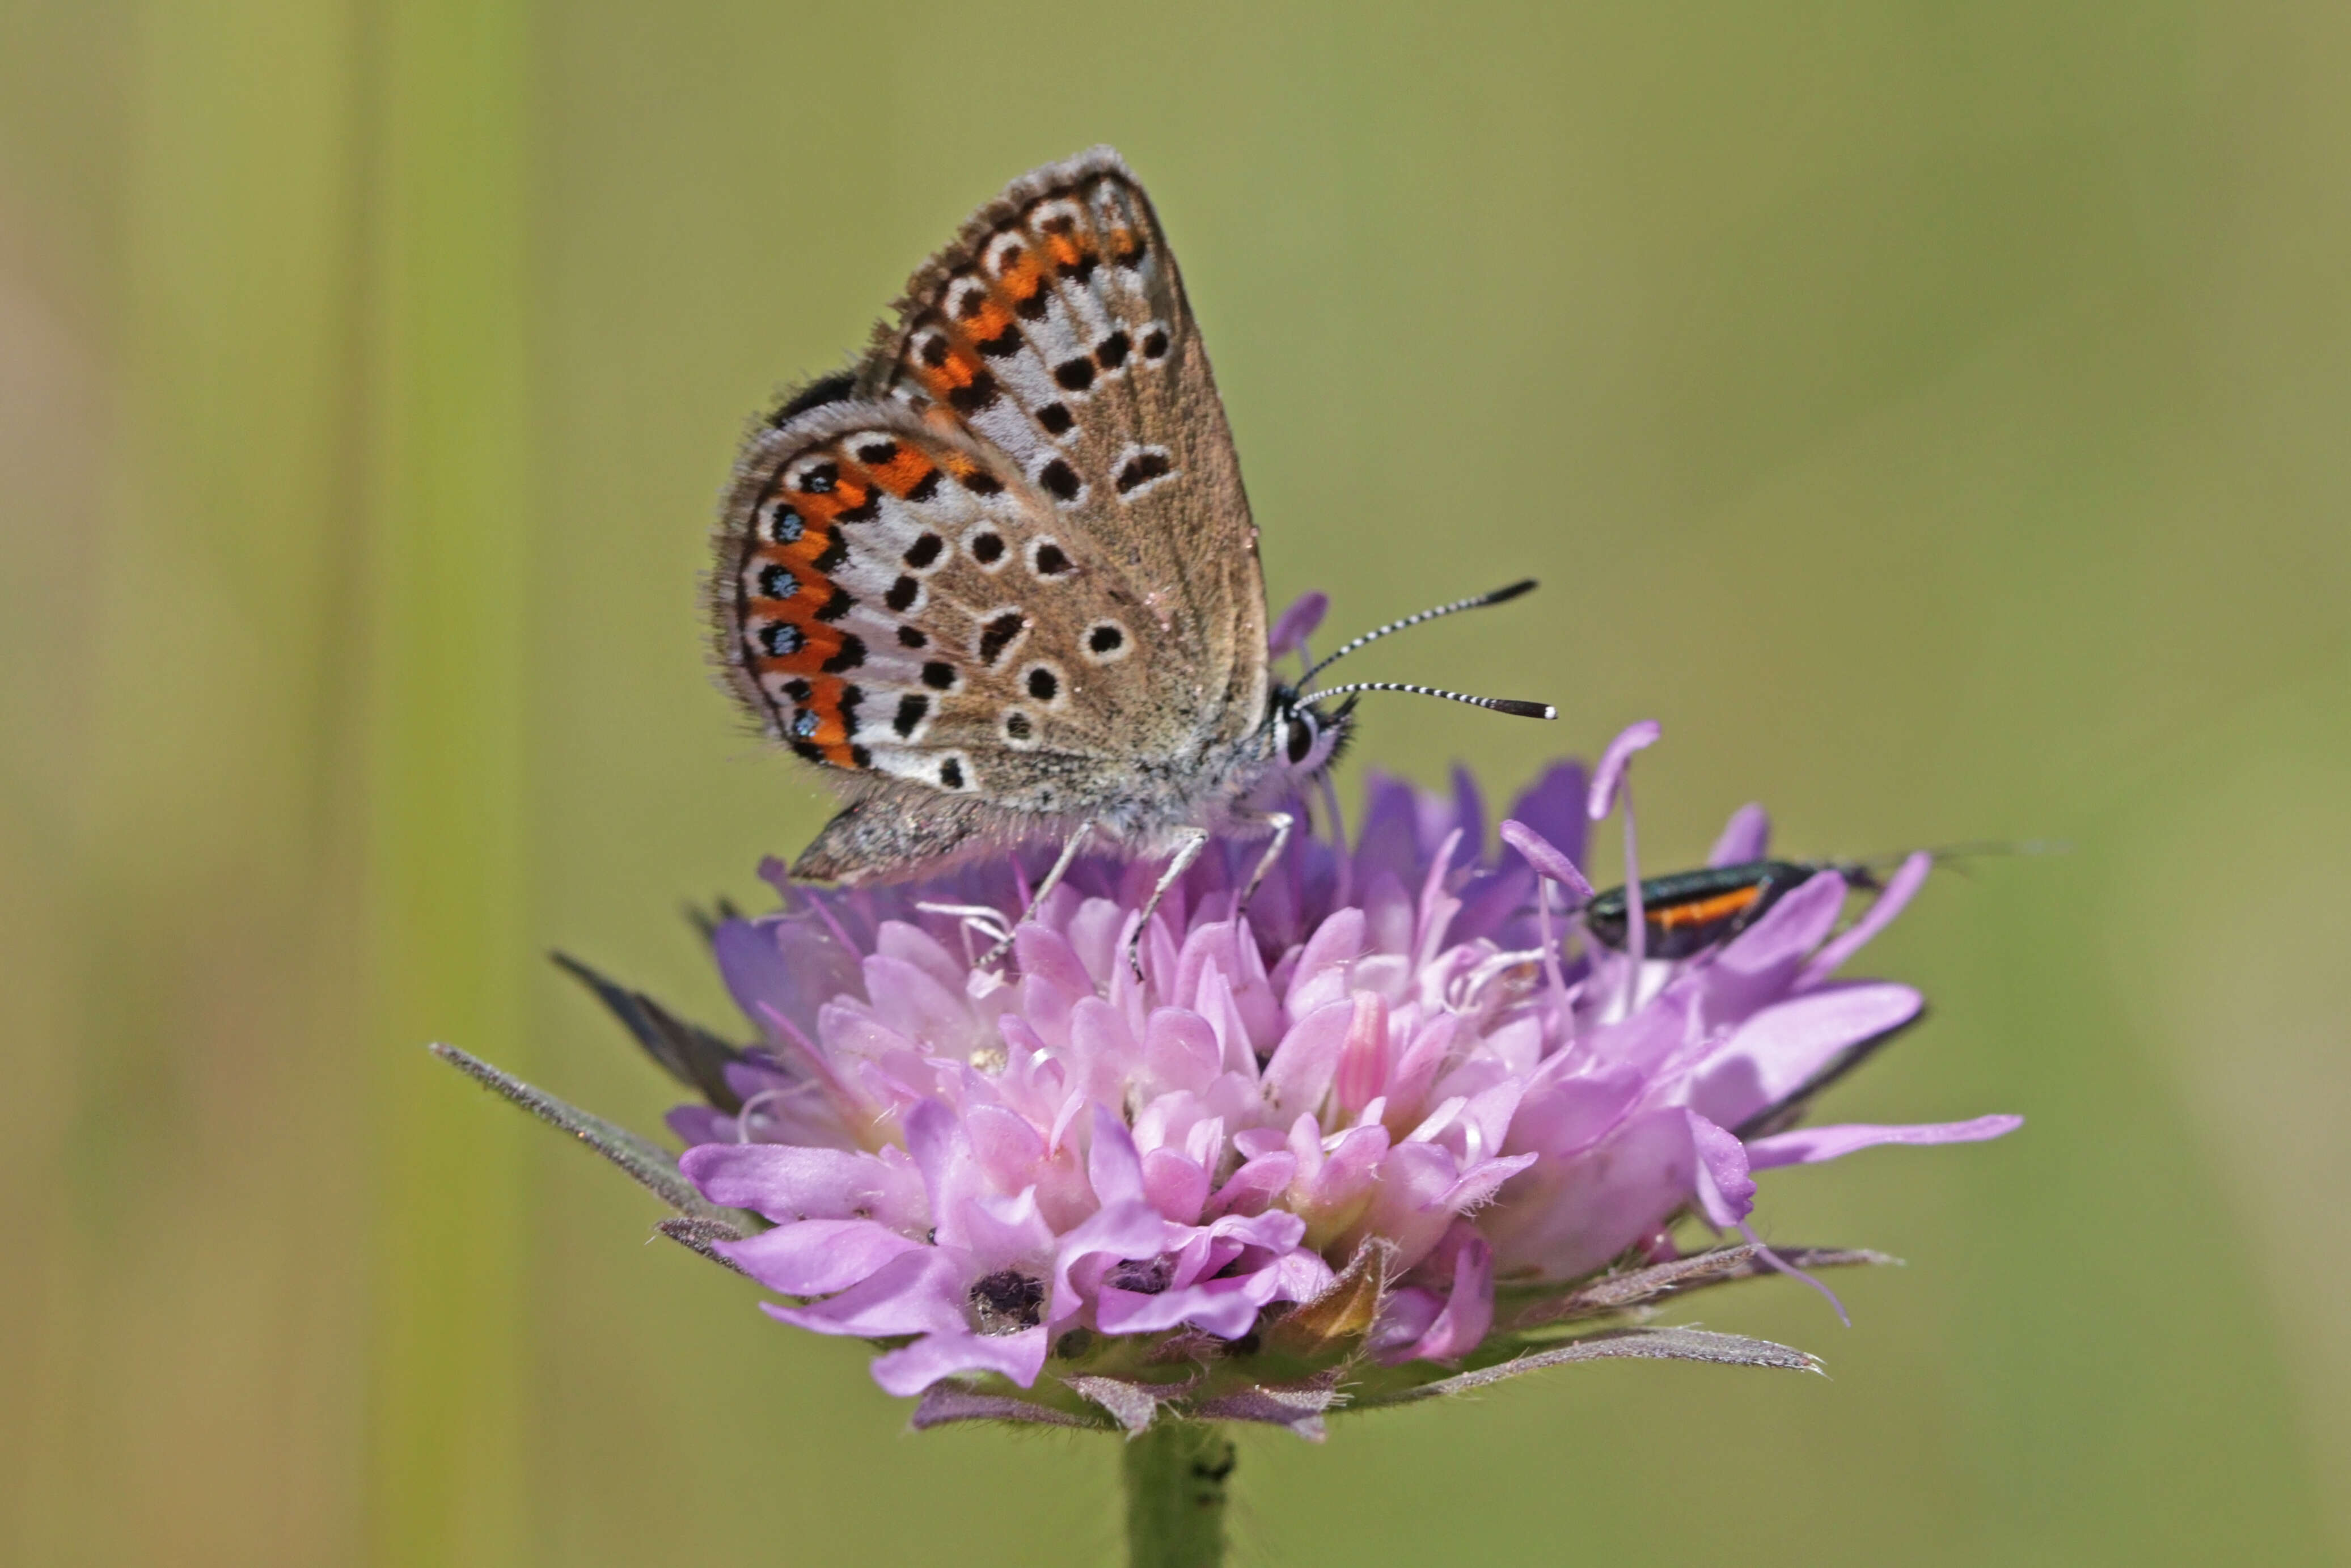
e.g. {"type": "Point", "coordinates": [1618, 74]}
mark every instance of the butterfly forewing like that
{"type": "Point", "coordinates": [1056, 329]}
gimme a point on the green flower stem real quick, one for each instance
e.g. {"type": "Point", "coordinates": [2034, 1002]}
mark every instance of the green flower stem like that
{"type": "Point", "coordinates": [1176, 1479]}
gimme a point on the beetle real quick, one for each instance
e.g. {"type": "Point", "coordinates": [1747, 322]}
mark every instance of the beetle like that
{"type": "Point", "coordinates": [1688, 912]}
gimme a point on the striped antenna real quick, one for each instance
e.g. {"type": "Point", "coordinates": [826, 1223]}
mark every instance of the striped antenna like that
{"type": "Point", "coordinates": [1510, 706]}
{"type": "Point", "coordinates": [1476, 602]}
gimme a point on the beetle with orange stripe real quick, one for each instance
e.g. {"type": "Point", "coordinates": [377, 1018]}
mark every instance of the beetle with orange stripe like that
{"type": "Point", "coordinates": [1688, 912]}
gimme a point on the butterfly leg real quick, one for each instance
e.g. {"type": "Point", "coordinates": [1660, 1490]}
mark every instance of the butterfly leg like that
{"type": "Point", "coordinates": [1187, 849]}
{"type": "Point", "coordinates": [1280, 823]}
{"type": "Point", "coordinates": [1052, 880]}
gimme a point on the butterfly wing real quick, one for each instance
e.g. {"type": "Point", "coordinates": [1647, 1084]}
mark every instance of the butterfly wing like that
{"type": "Point", "coordinates": [1005, 574]}
{"type": "Point", "coordinates": [1056, 329]}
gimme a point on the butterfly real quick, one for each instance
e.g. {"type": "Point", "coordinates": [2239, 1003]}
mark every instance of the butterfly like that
{"type": "Point", "coordinates": [1000, 581]}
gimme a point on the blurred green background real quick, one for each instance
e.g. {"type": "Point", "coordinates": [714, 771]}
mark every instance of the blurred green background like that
{"type": "Point", "coordinates": [1937, 415]}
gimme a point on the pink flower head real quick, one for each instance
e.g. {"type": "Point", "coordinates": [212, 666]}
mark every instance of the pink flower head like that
{"type": "Point", "coordinates": [1399, 1128]}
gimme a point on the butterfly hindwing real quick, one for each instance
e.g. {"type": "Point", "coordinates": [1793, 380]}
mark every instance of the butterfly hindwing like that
{"type": "Point", "coordinates": [893, 599]}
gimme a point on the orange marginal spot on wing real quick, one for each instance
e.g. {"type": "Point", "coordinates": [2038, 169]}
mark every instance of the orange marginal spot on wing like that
{"type": "Point", "coordinates": [902, 472]}
{"type": "Point", "coordinates": [1024, 277]}
{"type": "Point", "coordinates": [832, 734]}
{"type": "Point", "coordinates": [824, 702]}
{"type": "Point", "coordinates": [802, 554]}
{"type": "Point", "coordinates": [951, 375]}
{"type": "Point", "coordinates": [796, 558]}
{"type": "Point", "coordinates": [988, 324]}
{"type": "Point", "coordinates": [1067, 248]}
{"type": "Point", "coordinates": [1125, 245]}
{"type": "Point", "coordinates": [820, 641]}
{"type": "Point", "coordinates": [818, 510]}
{"type": "Point", "coordinates": [1705, 911]}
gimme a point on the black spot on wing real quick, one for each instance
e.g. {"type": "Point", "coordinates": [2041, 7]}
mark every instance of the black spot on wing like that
{"type": "Point", "coordinates": [975, 395]}
{"type": "Point", "coordinates": [1141, 469]}
{"type": "Point", "coordinates": [851, 655]}
{"type": "Point", "coordinates": [998, 635]}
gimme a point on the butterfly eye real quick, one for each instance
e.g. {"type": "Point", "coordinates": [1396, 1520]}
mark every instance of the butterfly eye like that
{"type": "Point", "coordinates": [1301, 737]}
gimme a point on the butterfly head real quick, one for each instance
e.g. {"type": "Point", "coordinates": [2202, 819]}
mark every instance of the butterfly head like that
{"type": "Point", "coordinates": [1308, 737]}
{"type": "Point", "coordinates": [1304, 730]}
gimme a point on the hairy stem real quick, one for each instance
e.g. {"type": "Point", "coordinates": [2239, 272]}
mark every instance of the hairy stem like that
{"type": "Point", "coordinates": [1176, 1479]}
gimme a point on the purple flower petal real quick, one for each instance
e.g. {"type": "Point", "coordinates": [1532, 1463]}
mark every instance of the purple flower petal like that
{"type": "Point", "coordinates": [1176, 1185]}
{"type": "Point", "coordinates": [789, 962]}
{"type": "Point", "coordinates": [1548, 860]}
{"type": "Point", "coordinates": [1468, 1311]}
{"type": "Point", "coordinates": [1552, 806]}
{"type": "Point", "coordinates": [1112, 1164]}
{"type": "Point", "coordinates": [1809, 1146]}
{"type": "Point", "coordinates": [1468, 817]}
{"type": "Point", "coordinates": [1123, 1231]}
{"type": "Point", "coordinates": [1726, 1192]}
{"type": "Point", "coordinates": [785, 1183]}
{"type": "Point", "coordinates": [1760, 965]}
{"type": "Point", "coordinates": [1362, 1070]}
{"type": "Point", "coordinates": [1744, 838]}
{"type": "Point", "coordinates": [1404, 1319]}
{"type": "Point", "coordinates": [1781, 1049]}
{"type": "Point", "coordinates": [1307, 1059]}
{"type": "Point", "coordinates": [1297, 623]}
{"type": "Point", "coordinates": [1019, 1356]}
{"type": "Point", "coordinates": [817, 1257]}
{"type": "Point", "coordinates": [917, 1293]}
{"type": "Point", "coordinates": [1899, 890]}
{"type": "Point", "coordinates": [1610, 775]}
{"type": "Point", "coordinates": [1249, 1188]}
